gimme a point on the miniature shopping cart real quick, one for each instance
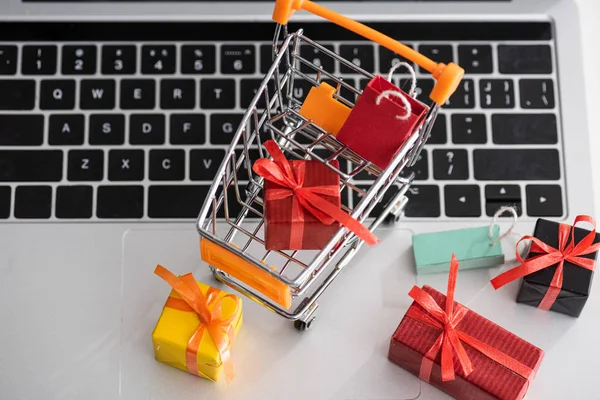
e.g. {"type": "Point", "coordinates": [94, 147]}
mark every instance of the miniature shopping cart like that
{"type": "Point", "coordinates": [231, 220]}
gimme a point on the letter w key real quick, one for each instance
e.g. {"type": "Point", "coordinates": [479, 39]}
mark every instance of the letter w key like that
{"type": "Point", "coordinates": [97, 94]}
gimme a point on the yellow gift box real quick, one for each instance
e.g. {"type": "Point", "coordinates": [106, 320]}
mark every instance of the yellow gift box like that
{"type": "Point", "coordinates": [197, 327]}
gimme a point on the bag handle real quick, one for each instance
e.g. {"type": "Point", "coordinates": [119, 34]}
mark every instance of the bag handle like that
{"type": "Point", "coordinates": [447, 77]}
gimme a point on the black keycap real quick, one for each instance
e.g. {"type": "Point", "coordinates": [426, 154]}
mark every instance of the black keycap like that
{"type": "Point", "coordinates": [223, 127]}
{"type": "Point", "coordinates": [196, 59]}
{"type": "Point", "coordinates": [464, 96]}
{"type": "Point", "coordinates": [380, 206]}
{"type": "Point", "coordinates": [266, 59]}
{"type": "Point", "coordinates": [544, 200]}
{"type": "Point", "coordinates": [361, 55]}
{"type": "Point", "coordinates": [238, 59]}
{"type": "Point", "coordinates": [8, 60]}
{"type": "Point", "coordinates": [205, 163]}
{"type": "Point", "coordinates": [126, 165]}
{"type": "Point", "coordinates": [301, 89]}
{"type": "Point", "coordinates": [119, 60]}
{"type": "Point", "coordinates": [158, 59]}
{"type": "Point", "coordinates": [516, 164]}
{"type": "Point", "coordinates": [5, 201]}
{"type": "Point", "coordinates": [525, 59]}
{"type": "Point", "coordinates": [66, 129]}
{"type": "Point", "coordinates": [57, 95]}
{"type": "Point", "coordinates": [496, 93]}
{"type": "Point", "coordinates": [421, 167]}
{"type": "Point", "coordinates": [217, 93]}
{"type": "Point", "coordinates": [79, 60]}
{"type": "Point", "coordinates": [450, 164]}
{"type": "Point", "coordinates": [85, 165]}
{"type": "Point", "coordinates": [74, 202]}
{"type": "Point", "coordinates": [387, 59]}
{"type": "Point", "coordinates": [31, 165]}
{"type": "Point", "coordinates": [497, 196]}
{"type": "Point", "coordinates": [439, 134]}
{"type": "Point", "coordinates": [177, 94]}
{"type": "Point", "coordinates": [107, 129]}
{"type": "Point", "coordinates": [524, 129]}
{"type": "Point", "coordinates": [39, 60]}
{"type": "Point", "coordinates": [98, 94]}
{"type": "Point", "coordinates": [167, 165]}
{"type": "Point", "coordinates": [188, 129]}
{"type": "Point", "coordinates": [33, 202]}
{"type": "Point", "coordinates": [316, 57]}
{"type": "Point", "coordinates": [147, 129]}
{"type": "Point", "coordinates": [423, 89]}
{"type": "Point", "coordinates": [536, 93]}
{"type": "Point", "coordinates": [476, 59]}
{"type": "Point", "coordinates": [175, 201]}
{"type": "Point", "coordinates": [462, 201]}
{"type": "Point", "coordinates": [249, 87]}
{"type": "Point", "coordinates": [423, 201]}
{"type": "Point", "coordinates": [138, 94]}
{"type": "Point", "coordinates": [21, 130]}
{"type": "Point", "coordinates": [436, 52]}
{"type": "Point", "coordinates": [17, 94]}
{"type": "Point", "coordinates": [120, 202]}
{"type": "Point", "coordinates": [469, 128]}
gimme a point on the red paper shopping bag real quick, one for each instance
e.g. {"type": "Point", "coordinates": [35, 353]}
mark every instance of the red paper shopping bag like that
{"type": "Point", "coordinates": [380, 122]}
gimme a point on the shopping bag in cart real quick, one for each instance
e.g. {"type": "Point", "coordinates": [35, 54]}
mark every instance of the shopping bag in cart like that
{"type": "Point", "coordinates": [382, 120]}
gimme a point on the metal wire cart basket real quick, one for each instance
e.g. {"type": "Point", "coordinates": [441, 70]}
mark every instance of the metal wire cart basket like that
{"type": "Point", "coordinates": [231, 220]}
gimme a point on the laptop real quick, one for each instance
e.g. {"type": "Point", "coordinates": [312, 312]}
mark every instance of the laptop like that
{"type": "Point", "coordinates": [115, 117]}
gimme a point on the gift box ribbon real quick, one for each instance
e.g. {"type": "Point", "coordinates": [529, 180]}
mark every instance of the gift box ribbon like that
{"type": "Point", "coordinates": [305, 199]}
{"type": "Point", "coordinates": [220, 329]}
{"type": "Point", "coordinates": [566, 251]}
{"type": "Point", "coordinates": [451, 339]}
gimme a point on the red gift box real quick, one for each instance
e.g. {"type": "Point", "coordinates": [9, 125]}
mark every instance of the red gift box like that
{"type": "Point", "coordinates": [378, 131]}
{"type": "Point", "coordinates": [459, 351]}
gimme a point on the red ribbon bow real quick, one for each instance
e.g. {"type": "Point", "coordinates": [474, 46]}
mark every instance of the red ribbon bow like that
{"type": "Point", "coordinates": [305, 199]}
{"type": "Point", "coordinates": [451, 339]}
{"type": "Point", "coordinates": [567, 251]}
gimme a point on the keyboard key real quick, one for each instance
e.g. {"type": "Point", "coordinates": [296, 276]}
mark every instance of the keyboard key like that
{"type": "Point", "coordinates": [387, 59]}
{"type": "Point", "coordinates": [380, 206]}
{"type": "Point", "coordinates": [525, 59]}
{"type": "Point", "coordinates": [120, 202]}
{"type": "Point", "coordinates": [476, 59]}
{"type": "Point", "coordinates": [57, 95]}
{"type": "Point", "coordinates": [361, 55]}
{"type": "Point", "coordinates": [438, 132]}
{"type": "Point", "coordinates": [5, 201]}
{"type": "Point", "coordinates": [31, 165]}
{"type": "Point", "coordinates": [223, 127]}
{"type": "Point", "coordinates": [462, 201]}
{"type": "Point", "coordinates": [301, 89]}
{"type": "Point", "coordinates": [39, 60]}
{"type": "Point", "coordinates": [21, 130]}
{"type": "Point", "coordinates": [464, 96]}
{"type": "Point", "coordinates": [524, 129]}
{"type": "Point", "coordinates": [436, 52]}
{"type": "Point", "coordinates": [318, 58]}
{"type": "Point", "coordinates": [469, 128]}
{"type": "Point", "coordinates": [138, 94]}
{"type": "Point", "coordinates": [205, 163]}
{"type": "Point", "coordinates": [421, 168]}
{"type": "Point", "coordinates": [147, 129]}
{"type": "Point", "coordinates": [167, 165]}
{"type": "Point", "coordinates": [497, 196]}
{"type": "Point", "coordinates": [423, 201]}
{"type": "Point", "coordinates": [198, 59]}
{"type": "Point", "coordinates": [423, 89]}
{"type": "Point", "coordinates": [79, 60]}
{"type": "Point", "coordinates": [126, 165]}
{"type": "Point", "coordinates": [33, 202]}
{"type": "Point", "coordinates": [238, 59]}
{"type": "Point", "coordinates": [217, 93]}
{"type": "Point", "coordinates": [66, 129]}
{"type": "Point", "coordinates": [544, 200]}
{"type": "Point", "coordinates": [175, 201]}
{"type": "Point", "coordinates": [97, 94]}
{"type": "Point", "coordinates": [17, 94]}
{"type": "Point", "coordinates": [177, 94]}
{"type": "Point", "coordinates": [266, 59]}
{"type": "Point", "coordinates": [249, 87]}
{"type": "Point", "coordinates": [8, 60]}
{"type": "Point", "coordinates": [158, 59]}
{"type": "Point", "coordinates": [188, 129]}
{"type": "Point", "coordinates": [85, 165]}
{"type": "Point", "coordinates": [497, 93]}
{"type": "Point", "coordinates": [450, 164]}
{"type": "Point", "coordinates": [119, 60]}
{"type": "Point", "coordinates": [517, 164]}
{"type": "Point", "coordinates": [536, 93]}
{"type": "Point", "coordinates": [107, 129]}
{"type": "Point", "coordinates": [74, 202]}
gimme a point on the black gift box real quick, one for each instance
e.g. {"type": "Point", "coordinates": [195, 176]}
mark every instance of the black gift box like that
{"type": "Point", "coordinates": [577, 281]}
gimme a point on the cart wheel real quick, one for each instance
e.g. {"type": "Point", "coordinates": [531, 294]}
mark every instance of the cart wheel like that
{"type": "Point", "coordinates": [303, 325]}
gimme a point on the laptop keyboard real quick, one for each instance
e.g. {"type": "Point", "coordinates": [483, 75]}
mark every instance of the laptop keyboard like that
{"type": "Point", "coordinates": [132, 122]}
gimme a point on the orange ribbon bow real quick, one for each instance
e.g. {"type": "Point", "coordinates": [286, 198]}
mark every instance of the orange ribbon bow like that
{"type": "Point", "coordinates": [305, 199]}
{"type": "Point", "coordinates": [566, 251]}
{"type": "Point", "coordinates": [450, 339]}
{"type": "Point", "coordinates": [220, 330]}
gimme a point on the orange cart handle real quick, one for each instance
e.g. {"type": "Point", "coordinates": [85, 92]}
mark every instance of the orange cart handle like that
{"type": "Point", "coordinates": [448, 76]}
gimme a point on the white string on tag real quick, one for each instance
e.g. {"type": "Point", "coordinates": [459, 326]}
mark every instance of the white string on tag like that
{"type": "Point", "coordinates": [388, 93]}
{"type": "Point", "coordinates": [525, 249]}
